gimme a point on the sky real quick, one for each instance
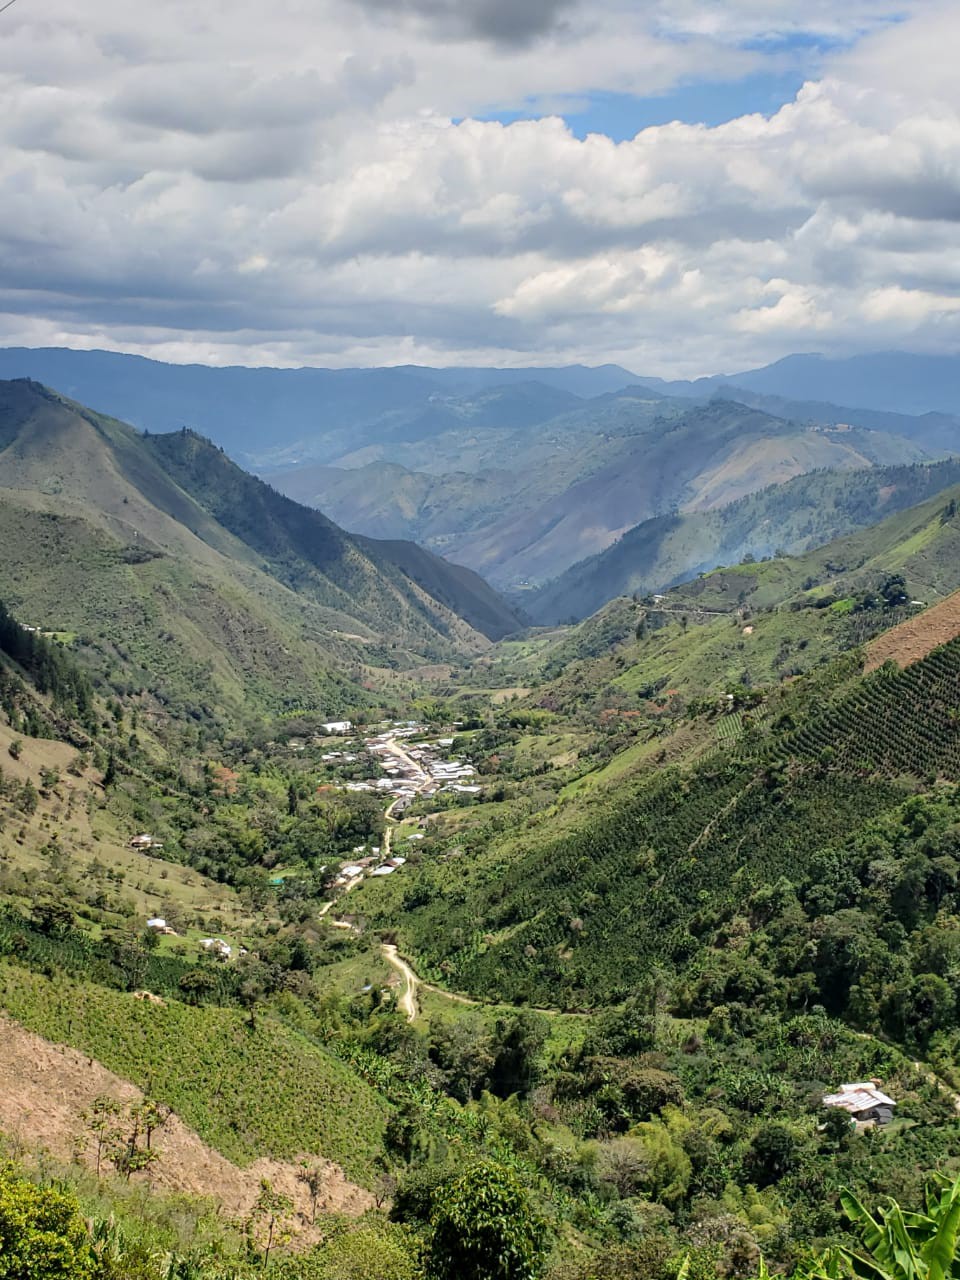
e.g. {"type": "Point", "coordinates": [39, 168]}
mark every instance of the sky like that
{"type": "Point", "coordinates": [683, 187]}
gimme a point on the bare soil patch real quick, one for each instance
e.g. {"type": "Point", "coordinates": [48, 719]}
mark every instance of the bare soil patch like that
{"type": "Point", "coordinates": [45, 1087]}
{"type": "Point", "coordinates": [915, 638]}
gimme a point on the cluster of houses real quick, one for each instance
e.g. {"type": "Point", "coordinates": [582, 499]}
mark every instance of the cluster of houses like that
{"type": "Point", "coordinates": [366, 866]}
{"type": "Point", "coordinates": [216, 947]}
{"type": "Point", "coordinates": [421, 769]}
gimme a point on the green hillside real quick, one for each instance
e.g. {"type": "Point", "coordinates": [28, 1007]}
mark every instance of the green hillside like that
{"type": "Point", "coordinates": [520, 506]}
{"type": "Point", "coordinates": [247, 1092]}
{"type": "Point", "coordinates": [761, 906]}
{"type": "Point", "coordinates": [577, 909]}
{"type": "Point", "coordinates": [314, 557]}
{"type": "Point", "coordinates": [803, 513]}
{"type": "Point", "coordinates": [751, 625]}
{"type": "Point", "coordinates": [106, 535]}
{"type": "Point", "coordinates": [704, 871]}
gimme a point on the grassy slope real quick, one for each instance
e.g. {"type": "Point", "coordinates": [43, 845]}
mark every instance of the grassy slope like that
{"type": "Point", "coordinates": [93, 849]}
{"type": "Point", "coordinates": [804, 513]}
{"type": "Point", "coordinates": [246, 1092]}
{"type": "Point", "coordinates": [752, 623]}
{"type": "Point", "coordinates": [313, 556]}
{"type": "Point", "coordinates": [101, 540]}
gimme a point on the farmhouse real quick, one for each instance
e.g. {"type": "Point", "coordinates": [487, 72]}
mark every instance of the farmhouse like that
{"type": "Point", "coordinates": [337, 726]}
{"type": "Point", "coordinates": [863, 1101]}
{"type": "Point", "coordinates": [145, 841]}
{"type": "Point", "coordinates": [157, 924]}
{"type": "Point", "coordinates": [222, 950]}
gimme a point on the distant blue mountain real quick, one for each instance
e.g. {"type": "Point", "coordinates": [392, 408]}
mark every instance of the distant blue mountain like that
{"type": "Point", "coordinates": [893, 381]}
{"type": "Point", "coordinates": [245, 409]}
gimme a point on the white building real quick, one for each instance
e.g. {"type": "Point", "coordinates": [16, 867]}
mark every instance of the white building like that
{"type": "Point", "coordinates": [864, 1101]}
{"type": "Point", "coordinates": [222, 950]}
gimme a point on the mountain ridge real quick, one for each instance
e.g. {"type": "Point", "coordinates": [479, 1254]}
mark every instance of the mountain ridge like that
{"type": "Point", "coordinates": [796, 516]}
{"type": "Point", "coordinates": [122, 536]}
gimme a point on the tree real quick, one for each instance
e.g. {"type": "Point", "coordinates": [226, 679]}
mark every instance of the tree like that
{"type": "Point", "coordinates": [124, 1134]}
{"type": "Point", "coordinates": [197, 984]}
{"type": "Point", "coordinates": [41, 1233]}
{"type": "Point", "coordinates": [485, 1227]}
{"type": "Point", "coordinates": [772, 1153]}
{"type": "Point", "coordinates": [624, 1164]}
{"type": "Point", "coordinates": [132, 1149]}
{"type": "Point", "coordinates": [101, 1119]}
{"type": "Point", "coordinates": [268, 1220]}
{"type": "Point", "coordinates": [314, 1179]}
{"type": "Point", "coordinates": [368, 1252]}
{"type": "Point", "coordinates": [55, 919]}
{"type": "Point", "coordinates": [518, 1048]}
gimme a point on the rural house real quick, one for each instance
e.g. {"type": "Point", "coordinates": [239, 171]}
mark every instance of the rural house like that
{"type": "Point", "coordinates": [863, 1101]}
{"type": "Point", "coordinates": [145, 841]}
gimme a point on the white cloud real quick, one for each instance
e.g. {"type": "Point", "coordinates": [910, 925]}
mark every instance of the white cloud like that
{"type": "Point", "coordinates": [225, 182]}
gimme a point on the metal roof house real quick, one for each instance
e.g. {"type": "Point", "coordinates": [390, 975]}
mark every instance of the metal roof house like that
{"type": "Point", "coordinates": [864, 1101]}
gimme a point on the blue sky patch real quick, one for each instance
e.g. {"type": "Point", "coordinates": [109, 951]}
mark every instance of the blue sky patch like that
{"type": "Point", "coordinates": [622, 115]}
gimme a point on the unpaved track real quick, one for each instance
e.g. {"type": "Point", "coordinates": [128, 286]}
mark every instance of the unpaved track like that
{"type": "Point", "coordinates": [408, 1003]}
{"type": "Point", "coordinates": [408, 1000]}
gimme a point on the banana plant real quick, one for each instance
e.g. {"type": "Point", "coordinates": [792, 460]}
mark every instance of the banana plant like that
{"type": "Point", "coordinates": [898, 1244]}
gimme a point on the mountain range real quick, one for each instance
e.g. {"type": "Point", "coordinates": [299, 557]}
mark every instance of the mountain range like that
{"type": "Point", "coordinates": [705, 866]}
{"type": "Point", "coordinates": [796, 516]}
{"type": "Point", "coordinates": [201, 583]}
{"type": "Point", "coordinates": [522, 474]}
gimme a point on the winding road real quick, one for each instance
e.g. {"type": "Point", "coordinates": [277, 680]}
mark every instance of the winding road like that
{"type": "Point", "coordinates": [408, 1000]}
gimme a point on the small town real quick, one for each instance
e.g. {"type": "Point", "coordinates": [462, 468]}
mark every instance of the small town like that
{"type": "Point", "coordinates": [412, 769]}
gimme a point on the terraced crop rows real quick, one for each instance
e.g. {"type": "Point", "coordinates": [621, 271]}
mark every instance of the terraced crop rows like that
{"type": "Point", "coordinates": [895, 722]}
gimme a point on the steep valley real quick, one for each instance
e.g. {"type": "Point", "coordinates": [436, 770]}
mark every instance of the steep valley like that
{"type": "Point", "coordinates": [330, 897]}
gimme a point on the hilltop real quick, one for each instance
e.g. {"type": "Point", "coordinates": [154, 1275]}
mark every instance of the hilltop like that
{"type": "Point", "coordinates": [254, 412]}
{"type": "Point", "coordinates": [889, 381]}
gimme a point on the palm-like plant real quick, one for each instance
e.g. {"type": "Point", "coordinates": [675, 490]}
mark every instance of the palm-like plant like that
{"type": "Point", "coordinates": [898, 1244]}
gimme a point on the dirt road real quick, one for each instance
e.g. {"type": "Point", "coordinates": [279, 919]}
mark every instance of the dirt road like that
{"type": "Point", "coordinates": [408, 1001]}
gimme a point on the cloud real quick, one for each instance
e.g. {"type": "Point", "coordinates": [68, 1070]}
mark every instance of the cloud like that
{"type": "Point", "coordinates": [231, 184]}
{"type": "Point", "coordinates": [507, 23]}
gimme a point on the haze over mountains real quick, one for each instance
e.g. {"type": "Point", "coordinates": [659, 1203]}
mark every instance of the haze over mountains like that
{"type": "Point", "coordinates": [522, 474]}
{"type": "Point", "coordinates": [185, 574]}
{"type": "Point", "coordinates": [793, 517]}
